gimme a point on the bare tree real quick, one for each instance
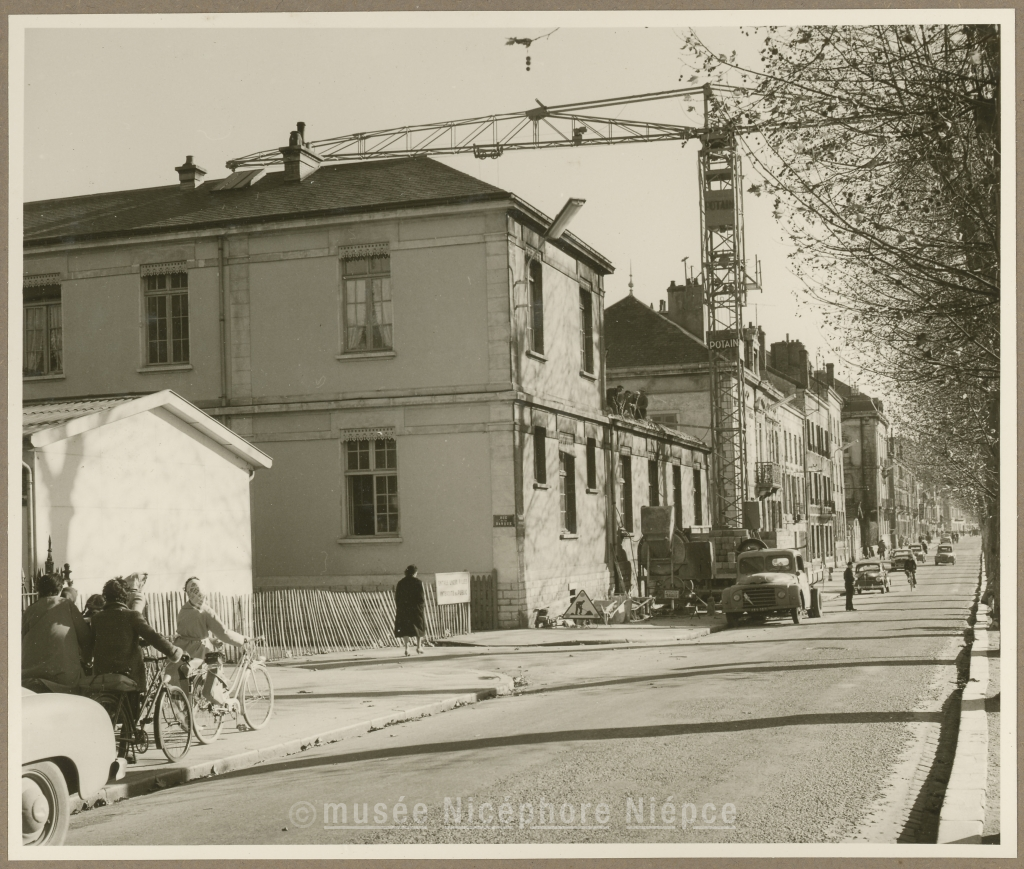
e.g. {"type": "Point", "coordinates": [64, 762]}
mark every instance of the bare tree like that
{"type": "Point", "coordinates": [880, 148]}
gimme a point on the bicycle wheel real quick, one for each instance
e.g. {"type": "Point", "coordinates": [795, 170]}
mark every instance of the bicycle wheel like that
{"type": "Point", "coordinates": [206, 719]}
{"type": "Point", "coordinates": [257, 697]}
{"type": "Point", "coordinates": [172, 723]}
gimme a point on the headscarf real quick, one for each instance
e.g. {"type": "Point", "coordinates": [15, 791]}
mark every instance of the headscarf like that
{"type": "Point", "coordinates": [194, 591]}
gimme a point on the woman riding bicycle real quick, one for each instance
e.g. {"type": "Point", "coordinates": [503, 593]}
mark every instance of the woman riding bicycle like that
{"type": "Point", "coordinates": [200, 632]}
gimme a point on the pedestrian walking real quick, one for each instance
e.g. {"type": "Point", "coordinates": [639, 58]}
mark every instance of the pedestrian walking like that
{"type": "Point", "coordinates": [410, 609]}
{"type": "Point", "coordinates": [849, 581]}
{"type": "Point", "coordinates": [881, 549]}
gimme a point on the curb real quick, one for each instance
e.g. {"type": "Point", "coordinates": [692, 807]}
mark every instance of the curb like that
{"type": "Point", "coordinates": [181, 775]}
{"type": "Point", "coordinates": [962, 818]}
{"type": "Point", "coordinates": [697, 633]}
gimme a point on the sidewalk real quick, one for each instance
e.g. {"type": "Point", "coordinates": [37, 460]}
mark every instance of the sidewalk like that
{"type": "Point", "coordinates": [316, 701]}
{"type": "Point", "coordinates": [970, 808]}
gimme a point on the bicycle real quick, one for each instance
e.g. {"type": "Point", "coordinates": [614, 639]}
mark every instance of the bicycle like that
{"type": "Point", "coordinates": [250, 692]}
{"type": "Point", "coordinates": [165, 705]}
{"type": "Point", "coordinates": [912, 579]}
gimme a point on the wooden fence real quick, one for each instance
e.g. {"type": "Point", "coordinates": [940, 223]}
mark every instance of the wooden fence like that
{"type": "Point", "coordinates": [312, 621]}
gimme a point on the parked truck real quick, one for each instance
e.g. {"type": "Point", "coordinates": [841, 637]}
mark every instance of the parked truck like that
{"type": "Point", "coordinates": [771, 583]}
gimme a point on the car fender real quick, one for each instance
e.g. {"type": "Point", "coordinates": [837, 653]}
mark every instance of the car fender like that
{"type": "Point", "coordinates": [69, 730]}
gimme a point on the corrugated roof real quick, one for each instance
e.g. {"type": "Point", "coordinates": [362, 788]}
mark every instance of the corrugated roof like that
{"type": "Point", "coordinates": [47, 422]}
{"type": "Point", "coordinates": [355, 187]}
{"type": "Point", "coordinates": [47, 414]}
{"type": "Point", "coordinates": [636, 335]}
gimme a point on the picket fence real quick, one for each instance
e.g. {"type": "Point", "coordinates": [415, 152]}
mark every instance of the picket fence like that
{"type": "Point", "coordinates": [312, 621]}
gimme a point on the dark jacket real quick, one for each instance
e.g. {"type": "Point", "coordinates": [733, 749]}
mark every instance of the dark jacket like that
{"type": "Point", "coordinates": [410, 607]}
{"type": "Point", "coordinates": [120, 635]}
{"type": "Point", "coordinates": [55, 639]}
{"type": "Point", "coordinates": [848, 578]}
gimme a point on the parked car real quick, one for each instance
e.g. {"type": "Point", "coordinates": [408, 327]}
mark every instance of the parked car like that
{"type": "Point", "coordinates": [918, 552]}
{"type": "Point", "coordinates": [898, 559]}
{"type": "Point", "coordinates": [945, 554]}
{"type": "Point", "coordinates": [67, 746]}
{"type": "Point", "coordinates": [870, 576]}
{"type": "Point", "coordinates": [770, 582]}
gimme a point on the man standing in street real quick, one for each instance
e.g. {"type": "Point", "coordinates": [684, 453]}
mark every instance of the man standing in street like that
{"type": "Point", "coordinates": [848, 579]}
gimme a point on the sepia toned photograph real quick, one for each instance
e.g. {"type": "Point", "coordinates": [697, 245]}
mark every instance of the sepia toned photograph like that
{"type": "Point", "coordinates": [512, 434]}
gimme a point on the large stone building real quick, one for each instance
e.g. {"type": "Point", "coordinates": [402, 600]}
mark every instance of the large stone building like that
{"type": "Point", "coordinates": [421, 354]}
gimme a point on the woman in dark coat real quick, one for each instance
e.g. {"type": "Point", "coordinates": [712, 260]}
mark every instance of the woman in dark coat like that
{"type": "Point", "coordinates": [410, 605]}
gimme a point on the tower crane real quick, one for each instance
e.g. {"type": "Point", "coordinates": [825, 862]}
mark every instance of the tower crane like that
{"type": "Point", "coordinates": [723, 264]}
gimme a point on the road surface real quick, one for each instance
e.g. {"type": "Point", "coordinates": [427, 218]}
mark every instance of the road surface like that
{"type": "Point", "coordinates": [766, 733]}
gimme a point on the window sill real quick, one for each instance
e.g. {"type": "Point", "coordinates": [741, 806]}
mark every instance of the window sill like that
{"type": "Point", "coordinates": [588, 375]}
{"type": "Point", "coordinates": [541, 486]}
{"type": "Point", "coordinates": [350, 541]}
{"type": "Point", "coordinates": [32, 378]}
{"type": "Point", "coordinates": [366, 354]}
{"type": "Point", "coordinates": [152, 369]}
{"type": "Point", "coordinates": [565, 535]}
{"type": "Point", "coordinates": [533, 354]}
{"type": "Point", "coordinates": [591, 491]}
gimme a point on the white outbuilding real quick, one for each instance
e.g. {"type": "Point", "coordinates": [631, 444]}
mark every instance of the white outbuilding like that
{"type": "Point", "coordinates": [137, 483]}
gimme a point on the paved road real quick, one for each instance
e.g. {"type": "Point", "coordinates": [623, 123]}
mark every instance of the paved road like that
{"type": "Point", "coordinates": [789, 733]}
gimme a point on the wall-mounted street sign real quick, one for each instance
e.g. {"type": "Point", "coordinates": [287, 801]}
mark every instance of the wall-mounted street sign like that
{"type": "Point", "coordinates": [452, 587]}
{"type": "Point", "coordinates": [504, 520]}
{"type": "Point", "coordinates": [581, 607]}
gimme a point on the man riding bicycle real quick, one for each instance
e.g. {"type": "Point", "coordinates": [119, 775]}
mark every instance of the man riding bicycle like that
{"type": "Point", "coordinates": [200, 632]}
{"type": "Point", "coordinates": [910, 568]}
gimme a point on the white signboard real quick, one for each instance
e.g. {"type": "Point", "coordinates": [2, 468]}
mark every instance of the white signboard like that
{"type": "Point", "coordinates": [452, 587]}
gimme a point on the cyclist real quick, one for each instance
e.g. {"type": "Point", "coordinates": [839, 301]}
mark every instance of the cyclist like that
{"type": "Point", "coordinates": [120, 635]}
{"type": "Point", "coordinates": [910, 567]}
{"type": "Point", "coordinates": [200, 632]}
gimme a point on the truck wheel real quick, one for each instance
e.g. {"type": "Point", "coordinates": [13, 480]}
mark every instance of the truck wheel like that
{"type": "Point", "coordinates": [795, 612]}
{"type": "Point", "coordinates": [732, 619]}
{"type": "Point", "coordinates": [815, 612]}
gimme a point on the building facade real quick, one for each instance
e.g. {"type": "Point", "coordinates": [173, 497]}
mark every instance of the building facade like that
{"type": "Point", "coordinates": [418, 352]}
{"type": "Point", "coordinates": [792, 427]}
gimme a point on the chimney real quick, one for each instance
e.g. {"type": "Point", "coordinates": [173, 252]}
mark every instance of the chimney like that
{"type": "Point", "coordinates": [761, 355]}
{"type": "Point", "coordinates": [830, 374]}
{"type": "Point", "coordinates": [190, 175]}
{"type": "Point", "coordinates": [661, 306]}
{"type": "Point", "coordinates": [790, 358]}
{"type": "Point", "coordinates": [300, 160]}
{"type": "Point", "coordinates": [686, 307]}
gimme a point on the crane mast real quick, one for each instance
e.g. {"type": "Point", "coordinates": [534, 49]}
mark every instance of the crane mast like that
{"type": "Point", "coordinates": [723, 268]}
{"type": "Point", "coordinates": [723, 263]}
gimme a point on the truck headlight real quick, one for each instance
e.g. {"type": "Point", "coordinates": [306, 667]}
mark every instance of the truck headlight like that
{"type": "Point", "coordinates": [782, 593]}
{"type": "Point", "coordinates": [737, 596]}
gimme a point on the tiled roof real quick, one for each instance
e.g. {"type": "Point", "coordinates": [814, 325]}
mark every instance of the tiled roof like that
{"type": "Point", "coordinates": [636, 335]}
{"type": "Point", "coordinates": [348, 187]}
{"type": "Point", "coordinates": [47, 414]}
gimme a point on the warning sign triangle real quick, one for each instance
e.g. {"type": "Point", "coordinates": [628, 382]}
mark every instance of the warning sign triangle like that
{"type": "Point", "coordinates": [581, 607]}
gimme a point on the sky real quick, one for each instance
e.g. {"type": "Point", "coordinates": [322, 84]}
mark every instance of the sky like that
{"type": "Point", "coordinates": [119, 108]}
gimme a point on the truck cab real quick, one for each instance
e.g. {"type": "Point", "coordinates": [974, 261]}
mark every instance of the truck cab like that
{"type": "Point", "coordinates": [771, 582]}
